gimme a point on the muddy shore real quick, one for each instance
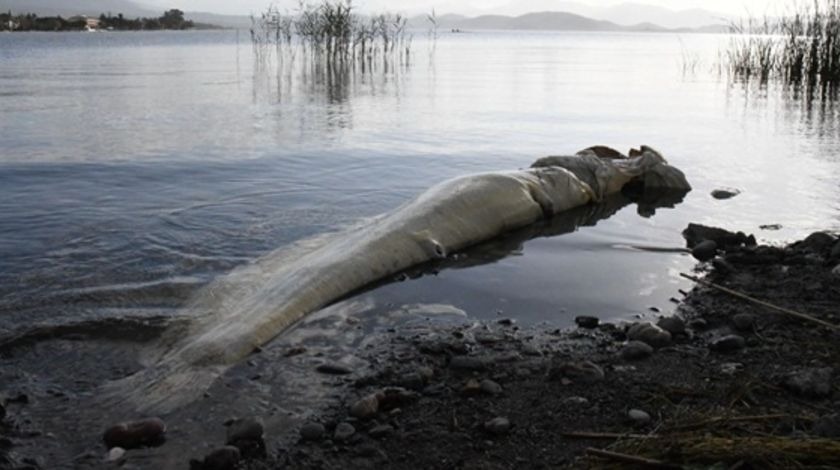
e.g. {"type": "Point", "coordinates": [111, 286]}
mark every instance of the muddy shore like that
{"type": "Point", "coordinates": [725, 381]}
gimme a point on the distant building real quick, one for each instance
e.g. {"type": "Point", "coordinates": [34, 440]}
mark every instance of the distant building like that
{"type": "Point", "coordinates": [90, 23]}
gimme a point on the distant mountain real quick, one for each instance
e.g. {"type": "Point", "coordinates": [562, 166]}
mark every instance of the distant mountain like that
{"type": "Point", "coordinates": [544, 21]}
{"type": "Point", "coordinates": [635, 13]}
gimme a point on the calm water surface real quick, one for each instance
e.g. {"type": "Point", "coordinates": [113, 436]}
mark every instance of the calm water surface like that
{"type": "Point", "coordinates": [137, 167]}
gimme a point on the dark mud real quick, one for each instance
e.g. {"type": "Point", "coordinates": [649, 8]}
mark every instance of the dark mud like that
{"type": "Point", "coordinates": [732, 383]}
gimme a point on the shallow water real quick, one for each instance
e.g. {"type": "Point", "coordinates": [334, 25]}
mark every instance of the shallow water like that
{"type": "Point", "coordinates": [137, 167]}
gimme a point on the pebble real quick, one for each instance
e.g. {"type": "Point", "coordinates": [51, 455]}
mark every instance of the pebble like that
{"type": "Point", "coordinates": [587, 322]}
{"type": "Point", "coordinates": [577, 401]}
{"type": "Point", "coordinates": [133, 434]}
{"type": "Point", "coordinates": [312, 431]}
{"type": "Point", "coordinates": [814, 382]}
{"type": "Point", "coordinates": [836, 271]}
{"type": "Point", "coordinates": [490, 387]}
{"type": "Point", "coordinates": [115, 454]}
{"type": "Point", "coordinates": [635, 350]}
{"type": "Point", "coordinates": [467, 363]}
{"type": "Point", "coordinates": [223, 458]}
{"type": "Point", "coordinates": [245, 429]}
{"type": "Point", "coordinates": [650, 334]}
{"type": "Point", "coordinates": [471, 388]}
{"type": "Point", "coordinates": [730, 368]}
{"type": "Point", "coordinates": [333, 368]}
{"type": "Point", "coordinates": [638, 416]}
{"type": "Point", "coordinates": [365, 407]}
{"type": "Point", "coordinates": [704, 251]}
{"type": "Point", "coordinates": [497, 426]}
{"type": "Point", "coordinates": [727, 193]}
{"type": "Point", "coordinates": [743, 321]}
{"type": "Point", "coordinates": [673, 325]}
{"type": "Point", "coordinates": [827, 426]}
{"type": "Point", "coordinates": [380, 431]}
{"type": "Point", "coordinates": [728, 343]}
{"type": "Point", "coordinates": [344, 431]}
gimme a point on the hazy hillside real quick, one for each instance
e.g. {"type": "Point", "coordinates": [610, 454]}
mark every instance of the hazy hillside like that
{"type": "Point", "coordinates": [77, 7]}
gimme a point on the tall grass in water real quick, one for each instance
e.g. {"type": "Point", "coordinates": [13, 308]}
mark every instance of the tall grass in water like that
{"type": "Point", "coordinates": [802, 49]}
{"type": "Point", "coordinates": [332, 33]}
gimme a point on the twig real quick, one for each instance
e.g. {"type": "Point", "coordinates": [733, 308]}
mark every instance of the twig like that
{"type": "Point", "coordinates": [786, 311]}
{"type": "Point", "coordinates": [631, 459]}
{"type": "Point", "coordinates": [605, 435]}
{"type": "Point", "coordinates": [736, 419]}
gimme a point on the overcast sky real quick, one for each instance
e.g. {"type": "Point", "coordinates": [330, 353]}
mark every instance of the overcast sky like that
{"type": "Point", "coordinates": [473, 7]}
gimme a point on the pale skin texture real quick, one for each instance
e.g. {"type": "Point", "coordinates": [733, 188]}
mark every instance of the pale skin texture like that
{"type": "Point", "coordinates": [252, 305]}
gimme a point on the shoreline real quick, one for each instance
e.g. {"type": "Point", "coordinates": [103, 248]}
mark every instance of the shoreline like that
{"type": "Point", "coordinates": [729, 382]}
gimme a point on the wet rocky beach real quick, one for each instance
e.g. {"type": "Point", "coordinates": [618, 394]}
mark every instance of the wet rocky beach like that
{"type": "Point", "coordinates": [725, 382]}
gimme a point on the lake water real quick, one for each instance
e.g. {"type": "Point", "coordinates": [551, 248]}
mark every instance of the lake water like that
{"type": "Point", "coordinates": [137, 167]}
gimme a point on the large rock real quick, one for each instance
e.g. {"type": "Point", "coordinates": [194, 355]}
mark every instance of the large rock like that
{"type": "Point", "coordinates": [725, 193]}
{"type": "Point", "coordinates": [728, 343]}
{"type": "Point", "coordinates": [705, 250]}
{"type": "Point", "coordinates": [134, 434]}
{"type": "Point", "coordinates": [223, 458]}
{"type": "Point", "coordinates": [673, 325]}
{"type": "Point", "coordinates": [650, 334]}
{"type": "Point", "coordinates": [365, 407]}
{"type": "Point", "coordinates": [245, 429]}
{"type": "Point", "coordinates": [576, 371]}
{"type": "Point", "coordinates": [636, 350]}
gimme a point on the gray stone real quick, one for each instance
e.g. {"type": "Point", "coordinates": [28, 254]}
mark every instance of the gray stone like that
{"type": "Point", "coordinates": [704, 251]}
{"type": "Point", "coordinates": [635, 350]}
{"type": "Point", "coordinates": [246, 429]}
{"type": "Point", "coordinates": [836, 271]}
{"type": "Point", "coordinates": [581, 372]}
{"type": "Point", "coordinates": [366, 407]}
{"type": "Point", "coordinates": [728, 343]}
{"type": "Point", "coordinates": [577, 401]}
{"type": "Point", "coordinates": [334, 368]}
{"type": "Point", "coordinates": [115, 454]}
{"type": "Point", "coordinates": [673, 325]}
{"type": "Point", "coordinates": [588, 322]}
{"type": "Point", "coordinates": [223, 458]}
{"type": "Point", "coordinates": [726, 193]}
{"type": "Point", "coordinates": [814, 382]}
{"type": "Point", "coordinates": [743, 321]}
{"type": "Point", "coordinates": [344, 431]}
{"type": "Point", "coordinates": [381, 431]}
{"type": "Point", "coordinates": [650, 334]}
{"type": "Point", "coordinates": [827, 426]}
{"type": "Point", "coordinates": [467, 363]}
{"type": "Point", "coordinates": [312, 431]}
{"type": "Point", "coordinates": [497, 426]}
{"type": "Point", "coordinates": [638, 416]}
{"type": "Point", "coordinates": [490, 387]}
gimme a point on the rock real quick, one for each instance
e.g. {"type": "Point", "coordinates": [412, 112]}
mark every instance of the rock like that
{"type": "Point", "coordinates": [696, 233]}
{"type": "Point", "coordinates": [115, 454]}
{"type": "Point", "coordinates": [728, 343]}
{"type": "Point", "coordinates": [836, 271]}
{"type": "Point", "coordinates": [498, 426]}
{"type": "Point", "coordinates": [223, 458]}
{"type": "Point", "coordinates": [827, 426]}
{"type": "Point", "coordinates": [471, 388]}
{"type": "Point", "coordinates": [582, 372]}
{"type": "Point", "coordinates": [770, 227]}
{"type": "Point", "coordinates": [698, 324]}
{"type": "Point", "coordinates": [635, 350]}
{"type": "Point", "coordinates": [818, 242]}
{"type": "Point", "coordinates": [731, 368]}
{"type": "Point", "coordinates": [650, 334]}
{"type": "Point", "coordinates": [638, 416]}
{"type": "Point", "coordinates": [814, 382]}
{"type": "Point", "coordinates": [333, 368]}
{"type": "Point", "coordinates": [245, 429]}
{"type": "Point", "coordinates": [704, 251]}
{"type": "Point", "coordinates": [743, 321]}
{"type": "Point", "coordinates": [490, 387]}
{"type": "Point", "coordinates": [673, 325]}
{"type": "Point", "coordinates": [134, 434]}
{"type": "Point", "coordinates": [378, 432]}
{"type": "Point", "coordinates": [727, 193]}
{"type": "Point", "coordinates": [506, 321]}
{"type": "Point", "coordinates": [467, 363]}
{"type": "Point", "coordinates": [576, 401]}
{"type": "Point", "coordinates": [366, 407]}
{"type": "Point", "coordinates": [343, 432]}
{"type": "Point", "coordinates": [835, 251]}
{"type": "Point", "coordinates": [312, 431]}
{"type": "Point", "coordinates": [587, 322]}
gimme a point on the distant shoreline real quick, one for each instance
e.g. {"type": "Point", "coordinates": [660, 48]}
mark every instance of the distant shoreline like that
{"type": "Point", "coordinates": [171, 20]}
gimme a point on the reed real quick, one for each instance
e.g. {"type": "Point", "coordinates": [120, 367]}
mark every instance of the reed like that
{"type": "Point", "coordinates": [801, 48]}
{"type": "Point", "coordinates": [332, 32]}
